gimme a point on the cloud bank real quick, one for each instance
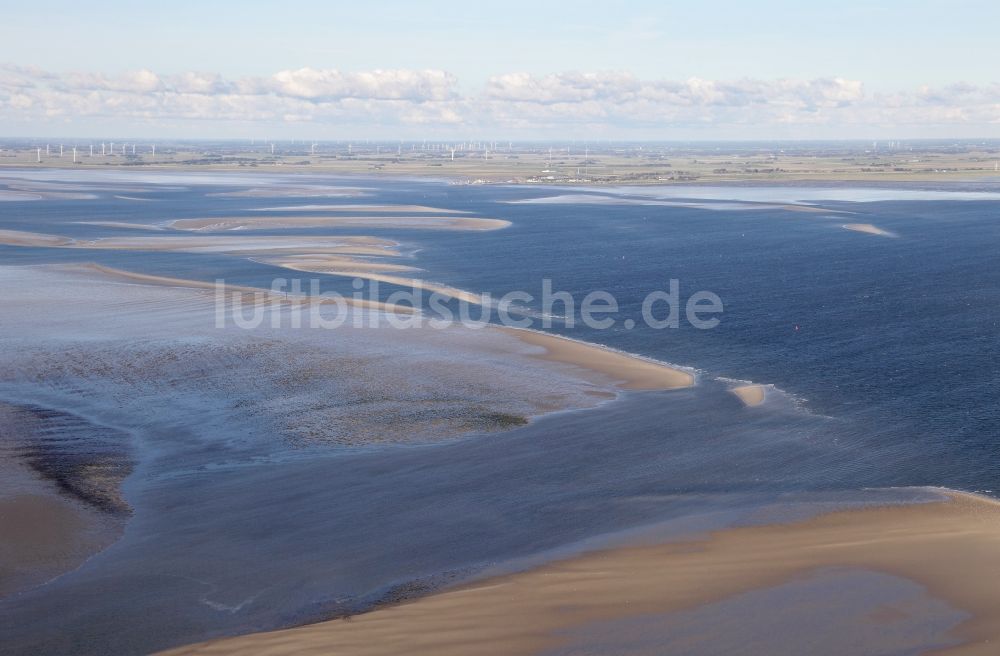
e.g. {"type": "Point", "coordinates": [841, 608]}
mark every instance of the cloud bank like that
{"type": "Point", "coordinates": [514, 103]}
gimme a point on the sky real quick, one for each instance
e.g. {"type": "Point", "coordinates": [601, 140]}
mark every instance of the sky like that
{"type": "Point", "coordinates": [584, 70]}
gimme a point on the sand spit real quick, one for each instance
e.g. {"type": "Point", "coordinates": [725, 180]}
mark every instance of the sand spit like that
{"type": "Point", "coordinates": [630, 371]}
{"type": "Point", "coordinates": [410, 283]}
{"type": "Point", "coordinates": [21, 238]}
{"type": "Point", "coordinates": [947, 546]}
{"type": "Point", "coordinates": [358, 245]}
{"type": "Point", "coordinates": [751, 395]}
{"type": "Point", "coordinates": [332, 264]}
{"type": "Point", "coordinates": [304, 191]}
{"type": "Point", "coordinates": [123, 224]}
{"type": "Point", "coordinates": [348, 244]}
{"type": "Point", "coordinates": [258, 294]}
{"type": "Point", "coordinates": [869, 229]}
{"type": "Point", "coordinates": [412, 209]}
{"type": "Point", "coordinates": [717, 205]}
{"type": "Point", "coordinates": [809, 209]}
{"type": "Point", "coordinates": [277, 222]}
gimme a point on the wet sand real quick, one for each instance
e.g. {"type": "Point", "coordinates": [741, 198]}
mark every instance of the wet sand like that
{"type": "Point", "coordinates": [277, 222]}
{"type": "Point", "coordinates": [43, 535]}
{"type": "Point", "coordinates": [22, 238]}
{"type": "Point", "coordinates": [413, 209]}
{"type": "Point", "coordinates": [45, 530]}
{"type": "Point", "coordinates": [629, 371]}
{"type": "Point", "coordinates": [948, 546]}
{"type": "Point", "coordinates": [370, 271]}
{"type": "Point", "coordinates": [348, 244]}
{"type": "Point", "coordinates": [331, 264]}
{"type": "Point", "coordinates": [869, 229]}
{"type": "Point", "coordinates": [123, 224]}
{"type": "Point", "coordinates": [751, 395]}
{"type": "Point", "coordinates": [304, 191]}
{"type": "Point", "coordinates": [256, 294]}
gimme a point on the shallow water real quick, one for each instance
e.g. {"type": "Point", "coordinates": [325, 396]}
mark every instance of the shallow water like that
{"type": "Point", "coordinates": [888, 380]}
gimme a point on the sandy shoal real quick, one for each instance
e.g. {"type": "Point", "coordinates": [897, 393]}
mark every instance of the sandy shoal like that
{"type": "Point", "coordinates": [367, 273]}
{"type": "Point", "coordinates": [305, 191]}
{"type": "Point", "coordinates": [330, 264]}
{"type": "Point", "coordinates": [751, 395]}
{"type": "Point", "coordinates": [273, 222]}
{"type": "Point", "coordinates": [630, 372]}
{"type": "Point", "coordinates": [868, 228]}
{"type": "Point", "coordinates": [347, 244]}
{"type": "Point", "coordinates": [951, 547]}
{"type": "Point", "coordinates": [414, 209]}
{"type": "Point", "coordinates": [256, 294]}
{"type": "Point", "coordinates": [22, 238]}
{"type": "Point", "coordinates": [123, 224]}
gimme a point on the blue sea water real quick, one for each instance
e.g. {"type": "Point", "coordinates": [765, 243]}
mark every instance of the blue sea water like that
{"type": "Point", "coordinates": [883, 350]}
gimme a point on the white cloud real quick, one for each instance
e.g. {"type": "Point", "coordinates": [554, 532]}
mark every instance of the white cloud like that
{"type": "Point", "coordinates": [574, 102]}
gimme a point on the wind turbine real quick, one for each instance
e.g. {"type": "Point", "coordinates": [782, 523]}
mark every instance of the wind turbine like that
{"type": "Point", "coordinates": [39, 154]}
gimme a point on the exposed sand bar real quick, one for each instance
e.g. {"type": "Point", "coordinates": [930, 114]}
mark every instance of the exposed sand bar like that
{"type": "Point", "coordinates": [358, 245]}
{"type": "Point", "coordinates": [751, 395]}
{"type": "Point", "coordinates": [720, 205]}
{"type": "Point", "coordinates": [868, 228]}
{"type": "Point", "coordinates": [123, 224]}
{"type": "Point", "coordinates": [630, 372]}
{"type": "Point", "coordinates": [413, 209]}
{"type": "Point", "coordinates": [951, 547]}
{"type": "Point", "coordinates": [261, 295]}
{"type": "Point", "coordinates": [304, 191]}
{"type": "Point", "coordinates": [348, 244]}
{"type": "Point", "coordinates": [412, 283]}
{"type": "Point", "coordinates": [21, 238]}
{"type": "Point", "coordinates": [277, 222]}
{"type": "Point", "coordinates": [331, 264]}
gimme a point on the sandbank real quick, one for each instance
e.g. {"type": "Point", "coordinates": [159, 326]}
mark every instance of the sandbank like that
{"type": "Point", "coordinates": [868, 228]}
{"type": "Point", "coordinates": [331, 264]}
{"type": "Point", "coordinates": [412, 283]}
{"type": "Point", "coordinates": [413, 209]}
{"type": "Point", "coordinates": [949, 547]}
{"type": "Point", "coordinates": [272, 222]}
{"type": "Point", "coordinates": [259, 294]}
{"type": "Point", "coordinates": [629, 371]}
{"type": "Point", "coordinates": [751, 395]}
{"type": "Point", "coordinates": [348, 244]}
{"type": "Point", "coordinates": [305, 191]}
{"type": "Point", "coordinates": [22, 238]}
